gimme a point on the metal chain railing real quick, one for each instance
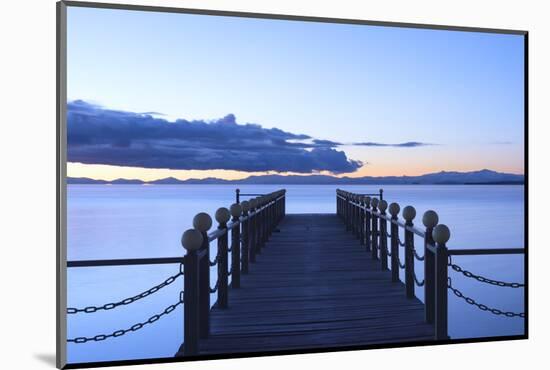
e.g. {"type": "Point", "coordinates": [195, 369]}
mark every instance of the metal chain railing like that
{"type": "Point", "coordinates": [416, 255]}
{"type": "Point", "coordinates": [215, 262]}
{"type": "Point", "coordinates": [481, 306]}
{"type": "Point", "coordinates": [418, 282]}
{"type": "Point", "coordinates": [401, 265]}
{"type": "Point", "coordinates": [483, 279]}
{"type": "Point", "coordinates": [419, 258]}
{"type": "Point", "coordinates": [215, 289]}
{"type": "Point", "coordinates": [402, 244]}
{"type": "Point", "coordinates": [127, 301]}
{"type": "Point", "coordinates": [133, 328]}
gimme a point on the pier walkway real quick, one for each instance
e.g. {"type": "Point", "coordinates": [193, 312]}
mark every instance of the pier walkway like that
{"type": "Point", "coordinates": [313, 286]}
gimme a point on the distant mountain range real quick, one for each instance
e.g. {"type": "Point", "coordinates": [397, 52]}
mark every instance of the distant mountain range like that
{"type": "Point", "coordinates": [444, 178]}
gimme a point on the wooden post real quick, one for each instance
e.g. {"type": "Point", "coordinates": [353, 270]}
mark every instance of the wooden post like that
{"type": "Point", "coordinates": [374, 229]}
{"type": "Point", "coordinates": [260, 225]}
{"type": "Point", "coordinates": [430, 220]}
{"type": "Point", "coordinates": [349, 211]}
{"type": "Point", "coordinates": [284, 202]}
{"type": "Point", "coordinates": [409, 214]}
{"type": "Point", "coordinates": [348, 226]}
{"type": "Point", "coordinates": [358, 216]}
{"type": "Point", "coordinates": [381, 191]}
{"type": "Point", "coordinates": [368, 216]}
{"type": "Point", "coordinates": [202, 222]}
{"type": "Point", "coordinates": [237, 195]}
{"type": "Point", "coordinates": [245, 227]}
{"type": "Point", "coordinates": [362, 220]}
{"type": "Point", "coordinates": [394, 211]}
{"type": "Point", "coordinates": [338, 203]}
{"type": "Point", "coordinates": [270, 218]}
{"type": "Point", "coordinates": [441, 235]}
{"type": "Point", "coordinates": [382, 206]}
{"type": "Point", "coordinates": [354, 214]}
{"type": "Point", "coordinates": [222, 216]}
{"type": "Point", "coordinates": [252, 233]}
{"type": "Point", "coordinates": [236, 211]}
{"type": "Point", "coordinates": [192, 242]}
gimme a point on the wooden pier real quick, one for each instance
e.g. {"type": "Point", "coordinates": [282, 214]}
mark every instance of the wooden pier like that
{"type": "Point", "coordinates": [313, 287]}
{"type": "Point", "coordinates": [308, 281]}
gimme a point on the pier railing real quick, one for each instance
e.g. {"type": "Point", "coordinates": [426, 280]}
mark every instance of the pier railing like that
{"type": "Point", "coordinates": [251, 225]}
{"type": "Point", "coordinates": [366, 218]}
{"type": "Point", "coordinates": [242, 232]}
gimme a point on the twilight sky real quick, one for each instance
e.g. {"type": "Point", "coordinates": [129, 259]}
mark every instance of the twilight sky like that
{"type": "Point", "coordinates": [153, 95]}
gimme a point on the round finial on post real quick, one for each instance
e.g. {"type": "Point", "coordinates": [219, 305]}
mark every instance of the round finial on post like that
{"type": "Point", "coordinates": [245, 206]}
{"type": "Point", "coordinates": [409, 213]}
{"type": "Point", "coordinates": [191, 240]}
{"type": "Point", "coordinates": [394, 209]}
{"type": "Point", "coordinates": [441, 234]}
{"type": "Point", "coordinates": [367, 201]}
{"type": "Point", "coordinates": [382, 206]}
{"type": "Point", "coordinates": [253, 203]}
{"type": "Point", "coordinates": [235, 210]}
{"type": "Point", "coordinates": [222, 215]}
{"type": "Point", "coordinates": [202, 222]}
{"type": "Point", "coordinates": [374, 202]}
{"type": "Point", "coordinates": [430, 219]}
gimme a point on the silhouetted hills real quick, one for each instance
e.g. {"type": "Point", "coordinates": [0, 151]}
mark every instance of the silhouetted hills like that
{"type": "Point", "coordinates": [484, 176]}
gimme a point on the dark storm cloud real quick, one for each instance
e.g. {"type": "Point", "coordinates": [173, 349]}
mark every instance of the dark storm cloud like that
{"type": "Point", "coordinates": [101, 136]}
{"type": "Point", "coordinates": [326, 143]}
{"type": "Point", "coordinates": [408, 144]}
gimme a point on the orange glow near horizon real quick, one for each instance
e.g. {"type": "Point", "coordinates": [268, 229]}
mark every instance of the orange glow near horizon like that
{"type": "Point", "coordinates": [109, 173]}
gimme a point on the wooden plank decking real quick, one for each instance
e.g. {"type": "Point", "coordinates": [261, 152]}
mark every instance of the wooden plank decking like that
{"type": "Point", "coordinates": [314, 286]}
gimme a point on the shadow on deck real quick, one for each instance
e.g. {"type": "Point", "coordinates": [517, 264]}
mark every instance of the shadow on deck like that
{"type": "Point", "coordinates": [314, 286]}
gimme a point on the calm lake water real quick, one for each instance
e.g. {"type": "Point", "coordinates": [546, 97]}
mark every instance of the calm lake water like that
{"type": "Point", "coordinates": [135, 221]}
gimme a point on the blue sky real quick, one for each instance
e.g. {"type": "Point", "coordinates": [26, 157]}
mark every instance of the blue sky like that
{"type": "Point", "coordinates": [346, 83]}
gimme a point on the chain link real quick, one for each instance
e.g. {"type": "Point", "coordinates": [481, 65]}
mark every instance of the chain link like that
{"type": "Point", "coordinates": [417, 256]}
{"type": "Point", "coordinates": [402, 244]}
{"type": "Point", "coordinates": [483, 279]}
{"type": "Point", "coordinates": [127, 301]}
{"type": "Point", "coordinates": [401, 265]}
{"type": "Point", "coordinates": [135, 327]}
{"type": "Point", "coordinates": [215, 262]}
{"type": "Point", "coordinates": [215, 289]}
{"type": "Point", "coordinates": [417, 282]}
{"type": "Point", "coordinates": [398, 239]}
{"type": "Point", "coordinates": [482, 307]}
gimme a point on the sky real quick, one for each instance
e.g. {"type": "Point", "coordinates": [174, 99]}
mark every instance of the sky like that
{"type": "Point", "coordinates": [152, 95]}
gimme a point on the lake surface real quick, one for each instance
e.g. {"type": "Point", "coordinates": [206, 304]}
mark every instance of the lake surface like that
{"type": "Point", "coordinates": [135, 221]}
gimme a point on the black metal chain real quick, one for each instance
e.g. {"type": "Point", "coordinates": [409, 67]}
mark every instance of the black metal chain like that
{"type": "Point", "coordinates": [127, 301]}
{"type": "Point", "coordinates": [417, 282]}
{"type": "Point", "coordinates": [416, 255]}
{"type": "Point", "coordinates": [482, 307]}
{"type": "Point", "coordinates": [135, 327]}
{"type": "Point", "coordinates": [215, 262]}
{"type": "Point", "coordinates": [483, 279]}
{"type": "Point", "coordinates": [215, 289]}
{"type": "Point", "coordinates": [398, 239]}
{"type": "Point", "coordinates": [420, 258]}
{"type": "Point", "coordinates": [401, 265]}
